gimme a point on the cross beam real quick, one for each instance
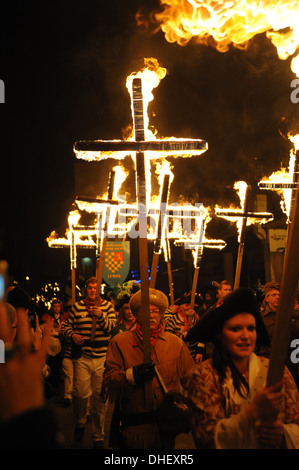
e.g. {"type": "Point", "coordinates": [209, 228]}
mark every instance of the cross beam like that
{"type": "Point", "coordinates": [173, 147]}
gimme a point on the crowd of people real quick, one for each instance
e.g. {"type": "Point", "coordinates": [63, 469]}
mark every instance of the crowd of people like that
{"type": "Point", "coordinates": [205, 371]}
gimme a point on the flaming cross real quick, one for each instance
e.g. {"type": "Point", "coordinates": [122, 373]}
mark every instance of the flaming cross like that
{"type": "Point", "coordinates": [93, 150]}
{"type": "Point", "coordinates": [241, 218]}
{"type": "Point", "coordinates": [141, 149]}
{"type": "Point", "coordinates": [286, 183]}
{"type": "Point", "coordinates": [197, 245]}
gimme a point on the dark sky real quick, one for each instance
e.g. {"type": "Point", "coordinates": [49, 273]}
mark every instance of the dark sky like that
{"type": "Point", "coordinates": [65, 63]}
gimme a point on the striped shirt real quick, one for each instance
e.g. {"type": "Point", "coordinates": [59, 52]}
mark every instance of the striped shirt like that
{"type": "Point", "coordinates": [178, 325]}
{"type": "Point", "coordinates": [80, 322]}
{"type": "Point", "coordinates": [66, 343]}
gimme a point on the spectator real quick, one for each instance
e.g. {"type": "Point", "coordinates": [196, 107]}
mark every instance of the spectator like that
{"type": "Point", "coordinates": [224, 289]}
{"type": "Point", "coordinates": [25, 421]}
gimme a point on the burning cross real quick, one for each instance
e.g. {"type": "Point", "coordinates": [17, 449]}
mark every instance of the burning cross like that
{"type": "Point", "coordinates": [241, 217]}
{"type": "Point", "coordinates": [287, 185]}
{"type": "Point", "coordinates": [93, 150]}
{"type": "Point", "coordinates": [142, 148]}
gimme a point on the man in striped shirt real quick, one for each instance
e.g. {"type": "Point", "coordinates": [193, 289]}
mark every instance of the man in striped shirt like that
{"type": "Point", "coordinates": [89, 355]}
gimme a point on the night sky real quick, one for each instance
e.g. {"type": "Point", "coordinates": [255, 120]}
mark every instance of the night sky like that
{"type": "Point", "coordinates": [65, 63]}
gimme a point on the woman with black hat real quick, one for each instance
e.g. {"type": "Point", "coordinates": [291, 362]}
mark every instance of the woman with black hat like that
{"type": "Point", "coordinates": [233, 408]}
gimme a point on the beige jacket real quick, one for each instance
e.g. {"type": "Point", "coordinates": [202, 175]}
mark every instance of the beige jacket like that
{"type": "Point", "coordinates": [172, 359]}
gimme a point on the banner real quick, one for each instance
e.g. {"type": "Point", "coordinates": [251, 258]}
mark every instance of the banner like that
{"type": "Point", "coordinates": [277, 240]}
{"type": "Point", "coordinates": [117, 262]}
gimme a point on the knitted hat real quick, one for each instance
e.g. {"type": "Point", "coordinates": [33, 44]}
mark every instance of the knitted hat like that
{"type": "Point", "coordinates": [156, 297]}
{"type": "Point", "coordinates": [241, 300]}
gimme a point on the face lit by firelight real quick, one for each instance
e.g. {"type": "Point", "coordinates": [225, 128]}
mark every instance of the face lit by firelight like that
{"type": "Point", "coordinates": [238, 336]}
{"type": "Point", "coordinates": [155, 317]}
{"type": "Point", "coordinates": [91, 291]}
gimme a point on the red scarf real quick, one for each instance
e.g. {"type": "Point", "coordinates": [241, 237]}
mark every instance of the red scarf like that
{"type": "Point", "coordinates": [154, 334]}
{"type": "Point", "coordinates": [89, 304]}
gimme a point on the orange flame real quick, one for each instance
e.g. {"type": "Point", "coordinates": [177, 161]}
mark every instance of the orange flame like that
{"type": "Point", "coordinates": [234, 22]}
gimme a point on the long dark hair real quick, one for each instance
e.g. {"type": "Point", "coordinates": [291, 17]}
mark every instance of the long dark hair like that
{"type": "Point", "coordinates": [221, 359]}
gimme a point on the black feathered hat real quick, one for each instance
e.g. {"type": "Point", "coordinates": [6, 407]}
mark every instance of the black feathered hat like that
{"type": "Point", "coordinates": [239, 301]}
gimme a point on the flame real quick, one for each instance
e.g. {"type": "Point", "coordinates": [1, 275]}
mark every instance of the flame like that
{"type": "Point", "coordinates": [119, 220]}
{"type": "Point", "coordinates": [83, 238]}
{"type": "Point", "coordinates": [234, 22]}
{"type": "Point", "coordinates": [240, 187]}
{"type": "Point", "coordinates": [295, 140]}
{"type": "Point", "coordinates": [73, 218]}
{"type": "Point", "coordinates": [151, 75]}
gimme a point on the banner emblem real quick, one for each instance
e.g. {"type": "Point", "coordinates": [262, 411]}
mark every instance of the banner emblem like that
{"type": "Point", "coordinates": [117, 262]}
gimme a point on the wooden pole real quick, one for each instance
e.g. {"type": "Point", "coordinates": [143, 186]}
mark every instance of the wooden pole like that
{"type": "Point", "coordinates": [73, 280]}
{"type": "Point", "coordinates": [73, 254]}
{"type": "Point", "coordinates": [242, 242]}
{"type": "Point", "coordinates": [101, 245]}
{"type": "Point", "coordinates": [294, 191]}
{"type": "Point", "coordinates": [161, 230]}
{"type": "Point", "coordinates": [194, 282]}
{"type": "Point", "coordinates": [101, 253]}
{"type": "Point", "coordinates": [194, 287]}
{"type": "Point", "coordinates": [142, 236]}
{"type": "Point", "coordinates": [154, 268]}
{"type": "Point", "coordinates": [169, 271]}
{"type": "Point", "coordinates": [288, 287]}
